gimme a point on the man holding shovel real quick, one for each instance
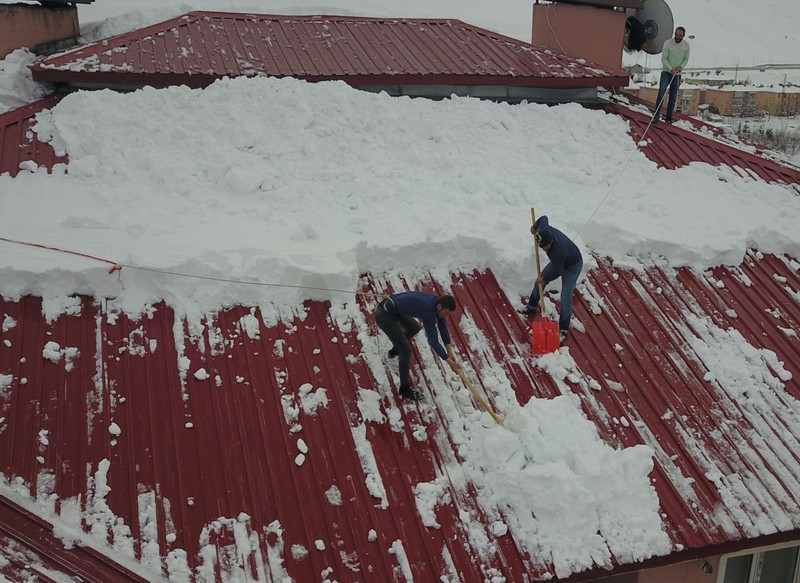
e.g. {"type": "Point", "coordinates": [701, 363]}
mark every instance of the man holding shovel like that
{"type": "Point", "coordinates": [566, 262]}
{"type": "Point", "coordinates": [397, 317]}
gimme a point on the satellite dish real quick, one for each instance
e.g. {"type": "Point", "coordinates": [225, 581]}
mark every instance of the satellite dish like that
{"type": "Point", "coordinates": [648, 27]}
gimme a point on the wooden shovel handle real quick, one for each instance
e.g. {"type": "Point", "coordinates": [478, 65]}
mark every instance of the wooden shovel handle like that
{"type": "Point", "coordinates": [478, 397]}
{"type": "Point", "coordinates": [538, 264]}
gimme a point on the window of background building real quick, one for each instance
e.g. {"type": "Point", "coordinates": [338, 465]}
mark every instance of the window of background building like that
{"type": "Point", "coordinates": [686, 102]}
{"type": "Point", "coordinates": [738, 98]}
{"type": "Point", "coordinates": [778, 564]}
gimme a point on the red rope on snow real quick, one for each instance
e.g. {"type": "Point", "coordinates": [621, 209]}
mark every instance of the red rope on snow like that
{"type": "Point", "coordinates": [114, 265]}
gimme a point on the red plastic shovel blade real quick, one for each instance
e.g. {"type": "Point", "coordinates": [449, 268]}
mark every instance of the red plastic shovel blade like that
{"type": "Point", "coordinates": [545, 337]}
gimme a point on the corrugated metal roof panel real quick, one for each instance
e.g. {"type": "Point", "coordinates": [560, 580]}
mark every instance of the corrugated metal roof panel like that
{"type": "Point", "coordinates": [19, 144]}
{"type": "Point", "coordinates": [203, 46]}
{"type": "Point", "coordinates": [211, 423]}
{"type": "Point", "coordinates": [672, 147]}
{"type": "Point", "coordinates": [32, 552]}
{"type": "Point", "coordinates": [197, 450]}
{"type": "Point", "coordinates": [702, 432]}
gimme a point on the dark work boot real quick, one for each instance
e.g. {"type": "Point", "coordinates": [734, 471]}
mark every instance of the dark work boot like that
{"type": "Point", "coordinates": [411, 394]}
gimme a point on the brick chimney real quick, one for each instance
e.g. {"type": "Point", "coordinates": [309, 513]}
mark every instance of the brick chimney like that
{"type": "Point", "coordinates": [41, 29]}
{"type": "Point", "coordinates": [593, 33]}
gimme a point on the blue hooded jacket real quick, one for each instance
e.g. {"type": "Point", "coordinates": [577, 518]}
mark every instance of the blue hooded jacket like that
{"type": "Point", "coordinates": [422, 305]}
{"type": "Point", "coordinates": [563, 252]}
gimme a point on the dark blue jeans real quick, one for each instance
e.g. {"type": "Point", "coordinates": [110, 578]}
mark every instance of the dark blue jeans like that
{"type": "Point", "coordinates": [568, 281]}
{"type": "Point", "coordinates": [400, 330]}
{"type": "Point", "coordinates": [664, 82]}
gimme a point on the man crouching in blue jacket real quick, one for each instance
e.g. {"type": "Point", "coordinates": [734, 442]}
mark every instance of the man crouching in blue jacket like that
{"type": "Point", "coordinates": [566, 262]}
{"type": "Point", "coordinates": [396, 316]}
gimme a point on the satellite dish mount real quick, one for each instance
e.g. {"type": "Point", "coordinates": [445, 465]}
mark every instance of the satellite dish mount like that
{"type": "Point", "coordinates": [648, 27]}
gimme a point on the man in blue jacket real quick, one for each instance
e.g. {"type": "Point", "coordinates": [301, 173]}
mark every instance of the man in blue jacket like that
{"type": "Point", "coordinates": [396, 316]}
{"type": "Point", "coordinates": [566, 262]}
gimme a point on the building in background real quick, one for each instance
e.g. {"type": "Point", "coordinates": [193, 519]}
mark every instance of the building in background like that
{"type": "Point", "coordinates": [42, 28]}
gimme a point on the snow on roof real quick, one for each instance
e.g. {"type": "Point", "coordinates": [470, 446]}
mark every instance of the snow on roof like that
{"type": "Point", "coordinates": [20, 147]}
{"type": "Point", "coordinates": [667, 426]}
{"type": "Point", "coordinates": [265, 192]}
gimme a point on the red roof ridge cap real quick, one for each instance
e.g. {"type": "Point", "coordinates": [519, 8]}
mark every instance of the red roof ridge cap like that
{"type": "Point", "coordinates": [377, 19]}
{"type": "Point", "coordinates": [269, 15]}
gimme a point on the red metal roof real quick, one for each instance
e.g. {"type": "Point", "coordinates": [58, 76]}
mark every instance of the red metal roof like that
{"type": "Point", "coordinates": [200, 47]}
{"type": "Point", "coordinates": [672, 147]}
{"type": "Point", "coordinates": [19, 144]}
{"type": "Point", "coordinates": [34, 553]}
{"type": "Point", "coordinates": [237, 454]}
{"type": "Point", "coordinates": [197, 452]}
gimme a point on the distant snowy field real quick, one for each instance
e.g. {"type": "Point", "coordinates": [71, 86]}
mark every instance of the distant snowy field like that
{"type": "Point", "coordinates": [784, 124]}
{"type": "Point", "coordinates": [785, 130]}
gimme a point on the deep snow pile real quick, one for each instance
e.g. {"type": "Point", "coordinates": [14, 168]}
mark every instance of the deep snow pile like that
{"type": "Point", "coordinates": [284, 182]}
{"type": "Point", "coordinates": [16, 86]}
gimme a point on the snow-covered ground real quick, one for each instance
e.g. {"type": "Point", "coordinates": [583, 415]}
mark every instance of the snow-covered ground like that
{"type": "Point", "coordinates": [782, 133]}
{"type": "Point", "coordinates": [283, 182]}
{"type": "Point", "coordinates": [772, 79]}
{"type": "Point", "coordinates": [783, 124]}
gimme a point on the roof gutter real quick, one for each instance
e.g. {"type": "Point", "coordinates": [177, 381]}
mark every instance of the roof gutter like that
{"type": "Point", "coordinates": [597, 575]}
{"type": "Point", "coordinates": [485, 87]}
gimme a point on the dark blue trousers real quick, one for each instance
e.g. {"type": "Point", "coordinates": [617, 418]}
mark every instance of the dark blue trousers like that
{"type": "Point", "coordinates": [663, 84]}
{"type": "Point", "coordinates": [400, 330]}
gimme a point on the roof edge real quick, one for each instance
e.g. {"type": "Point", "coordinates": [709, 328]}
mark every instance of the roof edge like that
{"type": "Point", "coordinates": [84, 561]}
{"type": "Point", "coordinates": [32, 108]}
{"type": "Point", "coordinates": [599, 574]}
{"type": "Point", "coordinates": [137, 80]}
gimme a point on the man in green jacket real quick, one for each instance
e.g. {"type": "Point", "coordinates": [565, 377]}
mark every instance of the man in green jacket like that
{"type": "Point", "coordinates": [674, 57]}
